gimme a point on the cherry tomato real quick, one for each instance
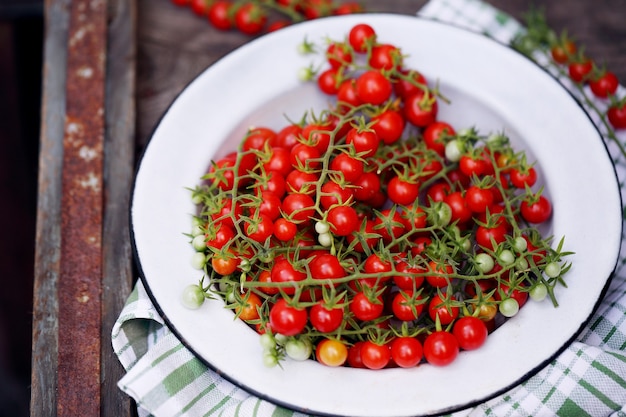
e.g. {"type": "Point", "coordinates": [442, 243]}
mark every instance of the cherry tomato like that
{"type": "Point", "coordinates": [260, 229]}
{"type": "Point", "coordinates": [401, 191]}
{"type": "Point", "coordinates": [490, 237]}
{"type": "Point", "coordinates": [219, 236]}
{"type": "Point", "coordinates": [366, 236]}
{"type": "Point", "coordinates": [326, 266]}
{"type": "Point", "coordinates": [287, 137]}
{"type": "Point", "coordinates": [389, 224]}
{"type": "Point", "coordinates": [471, 332]}
{"type": "Point", "coordinates": [257, 138]}
{"type": "Point", "coordinates": [385, 57]}
{"type": "Point", "coordinates": [441, 307]}
{"type": "Point", "coordinates": [419, 111]}
{"type": "Point", "coordinates": [339, 54]}
{"type": "Point", "coordinates": [470, 166]}
{"type": "Point", "coordinates": [536, 212]}
{"type": "Point", "coordinates": [347, 96]}
{"type": "Point", "coordinates": [250, 18]}
{"type": "Point", "coordinates": [478, 199]}
{"type": "Point", "coordinates": [298, 207]}
{"type": "Point", "coordinates": [375, 356]}
{"type": "Point", "coordinates": [284, 230]}
{"type": "Point", "coordinates": [407, 306]}
{"type": "Point", "coordinates": [304, 157]}
{"type": "Point", "coordinates": [249, 308]}
{"type": "Point", "coordinates": [373, 87]}
{"type": "Point", "coordinates": [284, 271]}
{"type": "Point", "coordinates": [219, 14]}
{"type": "Point", "coordinates": [505, 291]}
{"type": "Point", "coordinates": [604, 85]}
{"type": "Point", "coordinates": [350, 167]}
{"type": "Point", "coordinates": [224, 171]}
{"type": "Point", "coordinates": [325, 319]}
{"type": "Point", "coordinates": [461, 213]}
{"type": "Point", "coordinates": [407, 278]}
{"type": "Point", "coordinates": [441, 348]}
{"type": "Point", "coordinates": [287, 320]}
{"type": "Point", "coordinates": [277, 24]}
{"type": "Point", "coordinates": [348, 8]}
{"type": "Point", "coordinates": [224, 264]}
{"type": "Point", "coordinates": [329, 81]}
{"type": "Point", "coordinates": [406, 352]}
{"type": "Point", "coordinates": [579, 71]}
{"type": "Point", "coordinates": [420, 244]}
{"type": "Point", "coordinates": [266, 276]}
{"type": "Point", "coordinates": [360, 36]}
{"type": "Point", "coordinates": [365, 309]}
{"type": "Point", "coordinates": [365, 141]}
{"type": "Point", "coordinates": [434, 134]}
{"type": "Point", "coordinates": [227, 213]}
{"type": "Point", "coordinates": [331, 352]}
{"type": "Point", "coordinates": [563, 52]}
{"type": "Point", "coordinates": [366, 186]}
{"type": "Point", "coordinates": [354, 355]}
{"type": "Point", "coordinates": [617, 116]}
{"type": "Point", "coordinates": [335, 194]}
{"type": "Point", "coordinates": [389, 126]}
{"type": "Point", "coordinates": [301, 182]}
{"type": "Point", "coordinates": [438, 192]}
{"type": "Point", "coordinates": [318, 135]}
{"type": "Point", "coordinates": [343, 220]}
{"type": "Point", "coordinates": [439, 274]}
{"type": "Point", "coordinates": [520, 178]}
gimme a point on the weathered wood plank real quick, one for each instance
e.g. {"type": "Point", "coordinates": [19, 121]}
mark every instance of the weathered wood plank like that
{"type": "Point", "coordinates": [79, 286]}
{"type": "Point", "coordinates": [45, 304]}
{"type": "Point", "coordinates": [119, 151]}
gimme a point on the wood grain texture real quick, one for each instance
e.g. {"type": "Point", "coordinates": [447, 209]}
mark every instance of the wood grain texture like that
{"type": "Point", "coordinates": [100, 395]}
{"type": "Point", "coordinates": [45, 304]}
{"type": "Point", "coordinates": [119, 152]}
{"type": "Point", "coordinates": [79, 287]}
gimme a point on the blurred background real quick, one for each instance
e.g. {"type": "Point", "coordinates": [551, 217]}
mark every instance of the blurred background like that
{"type": "Point", "coordinates": [21, 34]}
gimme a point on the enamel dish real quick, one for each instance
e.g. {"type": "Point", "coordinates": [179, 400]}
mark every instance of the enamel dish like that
{"type": "Point", "coordinates": [496, 89]}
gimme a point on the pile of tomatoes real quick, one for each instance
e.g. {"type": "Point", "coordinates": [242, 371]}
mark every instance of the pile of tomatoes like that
{"type": "Point", "coordinates": [254, 17]}
{"type": "Point", "coordinates": [373, 234]}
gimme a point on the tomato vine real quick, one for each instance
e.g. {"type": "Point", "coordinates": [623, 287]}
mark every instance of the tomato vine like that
{"type": "Point", "coordinates": [252, 17]}
{"type": "Point", "coordinates": [334, 241]}
{"type": "Point", "coordinates": [596, 85]}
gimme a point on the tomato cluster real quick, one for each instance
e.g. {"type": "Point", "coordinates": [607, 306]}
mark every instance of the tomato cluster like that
{"type": "Point", "coordinates": [373, 234]}
{"type": "Point", "coordinates": [254, 17]}
{"type": "Point", "coordinates": [602, 83]}
{"type": "Point", "coordinates": [593, 80]}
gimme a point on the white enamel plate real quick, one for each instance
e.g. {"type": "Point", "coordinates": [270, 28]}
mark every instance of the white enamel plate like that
{"type": "Point", "coordinates": [490, 87]}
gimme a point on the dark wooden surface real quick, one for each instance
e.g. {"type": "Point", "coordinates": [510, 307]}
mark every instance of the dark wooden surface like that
{"type": "Point", "coordinates": [155, 50]}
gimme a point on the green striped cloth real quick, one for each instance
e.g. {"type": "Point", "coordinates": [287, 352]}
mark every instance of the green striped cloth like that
{"type": "Point", "coordinates": [589, 378]}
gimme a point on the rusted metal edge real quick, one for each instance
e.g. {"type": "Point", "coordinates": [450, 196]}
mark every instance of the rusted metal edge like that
{"type": "Point", "coordinates": [47, 240]}
{"type": "Point", "coordinates": [79, 284]}
{"type": "Point", "coordinates": [119, 163]}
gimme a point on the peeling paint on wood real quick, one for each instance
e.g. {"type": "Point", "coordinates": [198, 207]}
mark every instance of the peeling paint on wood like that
{"type": "Point", "coordinates": [79, 285]}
